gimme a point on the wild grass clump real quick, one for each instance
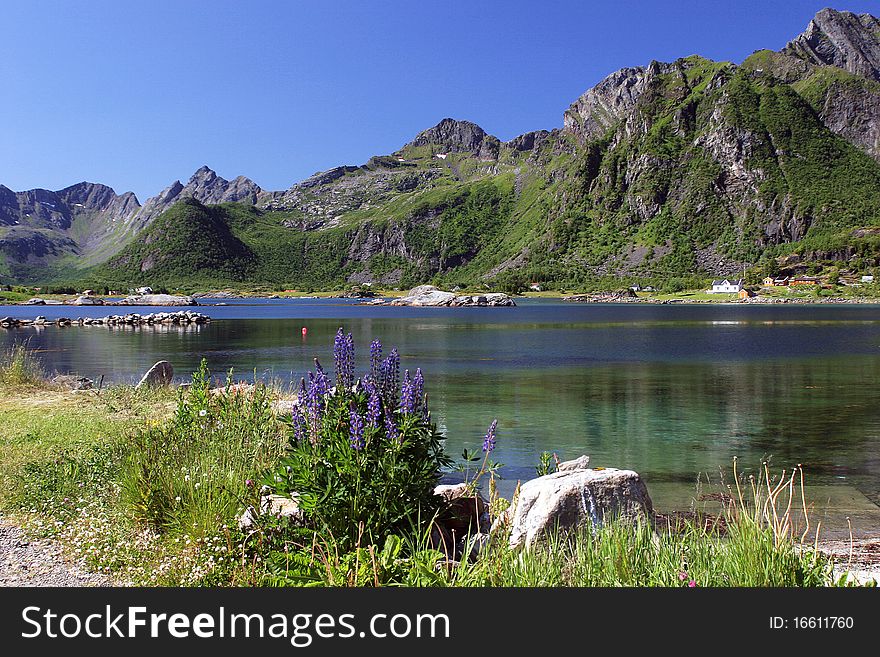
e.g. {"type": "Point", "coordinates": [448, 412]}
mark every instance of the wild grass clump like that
{"type": "Point", "coordinates": [20, 367]}
{"type": "Point", "coordinates": [190, 476]}
{"type": "Point", "coordinates": [760, 541]}
{"type": "Point", "coordinates": [619, 554]}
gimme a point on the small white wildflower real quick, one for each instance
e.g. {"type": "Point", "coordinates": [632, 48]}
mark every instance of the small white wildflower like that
{"type": "Point", "coordinates": [177, 499]}
{"type": "Point", "coordinates": [203, 413]}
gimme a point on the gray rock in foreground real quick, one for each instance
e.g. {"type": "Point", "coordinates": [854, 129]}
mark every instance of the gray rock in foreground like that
{"type": "Point", "coordinates": [279, 506]}
{"type": "Point", "coordinates": [574, 498]}
{"type": "Point", "coordinates": [160, 374]}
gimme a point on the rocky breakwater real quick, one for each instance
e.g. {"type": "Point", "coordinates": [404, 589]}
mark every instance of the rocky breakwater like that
{"type": "Point", "coordinates": [131, 319]}
{"type": "Point", "coordinates": [428, 295]}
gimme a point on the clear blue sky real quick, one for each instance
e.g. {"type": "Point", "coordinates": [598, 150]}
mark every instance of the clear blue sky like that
{"type": "Point", "coordinates": [138, 94]}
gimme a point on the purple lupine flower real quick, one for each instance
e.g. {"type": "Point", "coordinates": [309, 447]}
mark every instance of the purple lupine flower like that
{"type": "Point", "coordinates": [391, 428]}
{"type": "Point", "coordinates": [374, 404]}
{"type": "Point", "coordinates": [318, 388]}
{"type": "Point", "coordinates": [338, 355]}
{"type": "Point", "coordinates": [355, 429]}
{"type": "Point", "coordinates": [389, 378]}
{"type": "Point", "coordinates": [375, 359]}
{"type": "Point", "coordinates": [299, 423]}
{"type": "Point", "coordinates": [407, 395]}
{"type": "Point", "coordinates": [489, 440]}
{"type": "Point", "coordinates": [418, 386]}
{"type": "Point", "coordinates": [343, 356]}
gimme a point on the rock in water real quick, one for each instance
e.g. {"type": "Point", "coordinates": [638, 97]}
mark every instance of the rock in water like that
{"type": "Point", "coordinates": [425, 295]}
{"type": "Point", "coordinates": [158, 300]}
{"type": "Point", "coordinates": [160, 374]}
{"type": "Point", "coordinates": [574, 498]}
{"type": "Point", "coordinates": [86, 300]}
{"type": "Point", "coordinates": [428, 295]}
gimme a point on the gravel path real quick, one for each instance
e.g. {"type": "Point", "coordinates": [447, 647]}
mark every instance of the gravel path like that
{"type": "Point", "coordinates": [26, 562]}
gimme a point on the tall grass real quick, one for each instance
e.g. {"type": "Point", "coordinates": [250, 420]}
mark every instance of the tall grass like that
{"type": "Point", "coordinates": [19, 366]}
{"type": "Point", "coordinates": [190, 476]}
{"type": "Point", "coordinates": [759, 543]}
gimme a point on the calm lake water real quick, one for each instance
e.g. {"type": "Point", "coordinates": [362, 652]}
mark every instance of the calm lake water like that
{"type": "Point", "coordinates": [672, 392]}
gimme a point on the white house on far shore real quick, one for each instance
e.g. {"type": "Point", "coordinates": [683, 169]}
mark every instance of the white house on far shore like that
{"type": "Point", "coordinates": [726, 286]}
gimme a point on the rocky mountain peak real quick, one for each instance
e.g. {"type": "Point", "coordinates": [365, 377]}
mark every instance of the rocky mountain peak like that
{"type": "Point", "coordinates": [601, 107]}
{"type": "Point", "coordinates": [203, 175]}
{"type": "Point", "coordinates": [842, 39]}
{"type": "Point", "coordinates": [455, 136]}
{"type": "Point", "coordinates": [89, 196]}
{"type": "Point", "coordinates": [206, 187]}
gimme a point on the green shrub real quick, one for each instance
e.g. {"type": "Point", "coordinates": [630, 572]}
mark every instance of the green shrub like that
{"type": "Point", "coordinates": [363, 457]}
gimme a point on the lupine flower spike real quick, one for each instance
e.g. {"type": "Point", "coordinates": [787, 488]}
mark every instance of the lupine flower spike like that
{"type": "Point", "coordinates": [356, 429]}
{"type": "Point", "coordinates": [489, 440]}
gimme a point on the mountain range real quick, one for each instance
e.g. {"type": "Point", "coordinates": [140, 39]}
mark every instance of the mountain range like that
{"type": "Point", "coordinates": [687, 168]}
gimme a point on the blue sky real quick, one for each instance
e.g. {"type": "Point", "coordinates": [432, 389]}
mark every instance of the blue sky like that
{"type": "Point", "coordinates": [136, 94]}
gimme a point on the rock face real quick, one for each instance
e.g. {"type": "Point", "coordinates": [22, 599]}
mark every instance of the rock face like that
{"type": "Point", "coordinates": [160, 374]}
{"type": "Point", "coordinates": [841, 39]}
{"type": "Point", "coordinates": [84, 220]}
{"type": "Point", "coordinates": [606, 104]}
{"type": "Point", "coordinates": [428, 295]}
{"type": "Point", "coordinates": [575, 497]}
{"type": "Point", "coordinates": [158, 300]}
{"type": "Point", "coordinates": [452, 136]}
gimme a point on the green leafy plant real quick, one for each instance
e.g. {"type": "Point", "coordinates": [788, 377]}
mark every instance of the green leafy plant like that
{"type": "Point", "coordinates": [547, 464]}
{"type": "Point", "coordinates": [363, 456]}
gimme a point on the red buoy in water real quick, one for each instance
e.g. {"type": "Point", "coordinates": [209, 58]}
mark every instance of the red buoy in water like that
{"type": "Point", "coordinates": [305, 330]}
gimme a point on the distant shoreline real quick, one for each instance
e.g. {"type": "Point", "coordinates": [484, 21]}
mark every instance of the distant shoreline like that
{"type": "Point", "coordinates": [687, 297]}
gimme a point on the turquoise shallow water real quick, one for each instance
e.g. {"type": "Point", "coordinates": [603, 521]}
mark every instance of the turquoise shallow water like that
{"type": "Point", "coordinates": [669, 391]}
